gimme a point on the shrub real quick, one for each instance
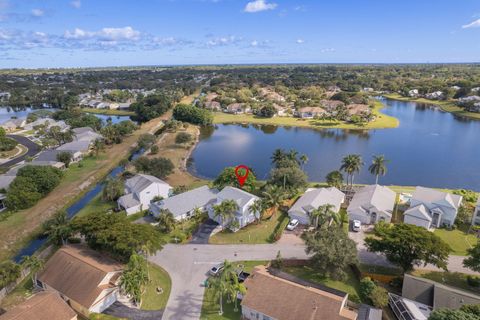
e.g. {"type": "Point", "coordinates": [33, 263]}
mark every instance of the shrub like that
{"type": "Point", "coordinates": [192, 114]}
{"type": "Point", "coordinates": [154, 149]}
{"type": "Point", "coordinates": [379, 297]}
{"type": "Point", "coordinates": [9, 272]}
{"type": "Point", "coordinates": [183, 137]}
{"type": "Point", "coordinates": [267, 111]}
{"type": "Point", "coordinates": [7, 144]}
{"type": "Point", "coordinates": [366, 288]}
{"type": "Point", "coordinates": [473, 281]}
{"type": "Point", "coordinates": [158, 167]}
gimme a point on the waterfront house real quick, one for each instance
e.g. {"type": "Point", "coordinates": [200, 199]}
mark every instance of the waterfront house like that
{"type": "Point", "coordinates": [314, 198]}
{"type": "Point", "coordinates": [51, 155]}
{"type": "Point", "coordinates": [280, 110]}
{"type": "Point", "coordinates": [372, 204]}
{"type": "Point", "coordinates": [48, 123]}
{"type": "Point", "coordinates": [76, 148]}
{"type": "Point", "coordinates": [14, 124]}
{"type": "Point", "coordinates": [358, 109]}
{"type": "Point", "coordinates": [243, 216]}
{"type": "Point", "coordinates": [430, 208]}
{"type": "Point", "coordinates": [277, 295]}
{"type": "Point", "coordinates": [87, 280]}
{"type": "Point", "coordinates": [413, 93]}
{"type": "Point", "coordinates": [476, 214]}
{"type": "Point", "coordinates": [437, 95]}
{"type": "Point", "coordinates": [140, 190]}
{"type": "Point", "coordinates": [86, 134]}
{"type": "Point", "coordinates": [310, 112]}
{"type": "Point", "coordinates": [331, 105]}
{"type": "Point", "coordinates": [213, 105]}
{"type": "Point", "coordinates": [237, 108]}
{"type": "Point", "coordinates": [45, 305]}
{"type": "Point", "coordinates": [183, 205]}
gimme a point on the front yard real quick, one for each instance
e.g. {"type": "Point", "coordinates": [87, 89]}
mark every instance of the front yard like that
{"type": "Point", "coordinates": [458, 239]}
{"type": "Point", "coordinates": [254, 233]}
{"type": "Point", "coordinates": [159, 279]}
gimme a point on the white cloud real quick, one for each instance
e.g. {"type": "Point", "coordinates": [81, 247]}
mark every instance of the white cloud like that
{"type": "Point", "coordinates": [300, 41]}
{"type": "Point", "coordinates": [222, 41]}
{"type": "Point", "coordinates": [105, 34]}
{"type": "Point", "coordinates": [254, 43]}
{"type": "Point", "coordinates": [333, 49]}
{"type": "Point", "coordinates": [76, 4]}
{"type": "Point", "coordinates": [37, 12]}
{"type": "Point", "coordinates": [474, 24]}
{"type": "Point", "coordinates": [259, 5]}
{"type": "Point", "coordinates": [78, 34]}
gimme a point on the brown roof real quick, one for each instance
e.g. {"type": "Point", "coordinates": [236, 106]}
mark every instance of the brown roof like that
{"type": "Point", "coordinates": [76, 272]}
{"type": "Point", "coordinates": [312, 109]}
{"type": "Point", "coordinates": [331, 104]}
{"type": "Point", "coordinates": [46, 305]}
{"type": "Point", "coordinates": [357, 108]}
{"type": "Point", "coordinates": [282, 299]}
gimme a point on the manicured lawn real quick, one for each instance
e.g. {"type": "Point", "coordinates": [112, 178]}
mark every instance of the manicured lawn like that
{"type": "Point", "coordinates": [382, 121]}
{"type": "Point", "coordinates": [251, 234]}
{"type": "Point", "coordinates": [19, 294]}
{"type": "Point", "coordinates": [159, 278]}
{"type": "Point", "coordinates": [458, 239]}
{"type": "Point", "coordinates": [96, 205]}
{"type": "Point", "coordinates": [350, 285]}
{"type": "Point", "coordinates": [454, 279]}
{"type": "Point", "coordinates": [109, 112]}
{"type": "Point", "coordinates": [389, 271]}
{"type": "Point", "coordinates": [211, 305]}
{"type": "Point", "coordinates": [101, 316]}
{"type": "Point", "coordinates": [77, 170]}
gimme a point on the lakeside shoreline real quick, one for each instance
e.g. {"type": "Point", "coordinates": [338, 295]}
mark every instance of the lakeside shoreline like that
{"type": "Point", "coordinates": [383, 121]}
{"type": "Point", "coordinates": [446, 106]}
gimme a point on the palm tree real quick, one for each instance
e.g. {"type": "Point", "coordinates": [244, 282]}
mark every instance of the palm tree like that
{"type": "Point", "coordinates": [378, 166]}
{"type": "Point", "coordinates": [135, 278]}
{"type": "Point", "coordinates": [351, 164]}
{"type": "Point", "coordinates": [34, 264]}
{"type": "Point", "coordinates": [273, 196]}
{"type": "Point", "coordinates": [98, 146]}
{"type": "Point", "coordinates": [256, 208]}
{"type": "Point", "coordinates": [303, 159]}
{"type": "Point", "coordinates": [293, 155]}
{"type": "Point", "coordinates": [225, 211]}
{"type": "Point", "coordinates": [334, 179]}
{"type": "Point", "coordinates": [58, 229]}
{"type": "Point", "coordinates": [278, 155]}
{"type": "Point", "coordinates": [166, 221]}
{"type": "Point", "coordinates": [226, 284]}
{"type": "Point", "coordinates": [325, 214]}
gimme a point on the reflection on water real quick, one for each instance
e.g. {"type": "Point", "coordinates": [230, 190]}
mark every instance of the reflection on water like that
{"type": "Point", "coordinates": [430, 148]}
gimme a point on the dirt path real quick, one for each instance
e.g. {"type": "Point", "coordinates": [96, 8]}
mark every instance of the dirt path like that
{"type": "Point", "coordinates": [18, 228]}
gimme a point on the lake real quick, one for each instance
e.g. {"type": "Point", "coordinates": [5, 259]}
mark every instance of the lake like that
{"type": "Point", "coordinates": [429, 148]}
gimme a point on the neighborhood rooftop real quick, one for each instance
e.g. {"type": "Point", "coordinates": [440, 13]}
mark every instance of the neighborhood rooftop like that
{"type": "Point", "coordinates": [429, 195]}
{"type": "Point", "coordinates": [239, 196]}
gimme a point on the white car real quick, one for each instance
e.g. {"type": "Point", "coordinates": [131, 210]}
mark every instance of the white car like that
{"type": "Point", "coordinates": [292, 224]}
{"type": "Point", "coordinates": [356, 225]}
{"type": "Point", "coordinates": [216, 270]}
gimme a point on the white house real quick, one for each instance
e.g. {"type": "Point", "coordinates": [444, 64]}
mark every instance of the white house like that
{"type": "Point", "coordinates": [476, 214]}
{"type": "Point", "coordinates": [182, 205]}
{"type": "Point", "coordinates": [413, 93]}
{"type": "Point", "coordinates": [243, 216]}
{"type": "Point", "coordinates": [372, 204]}
{"type": "Point", "coordinates": [85, 279]}
{"type": "Point", "coordinates": [431, 208]}
{"type": "Point", "coordinates": [437, 95]}
{"type": "Point", "coordinates": [314, 198]}
{"type": "Point", "coordinates": [310, 112]}
{"type": "Point", "coordinates": [140, 190]}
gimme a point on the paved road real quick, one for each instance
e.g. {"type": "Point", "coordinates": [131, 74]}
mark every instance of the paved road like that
{"type": "Point", "coordinates": [120, 310]}
{"type": "Point", "coordinates": [188, 266]}
{"type": "Point", "coordinates": [33, 149]}
{"type": "Point", "coordinates": [203, 233]}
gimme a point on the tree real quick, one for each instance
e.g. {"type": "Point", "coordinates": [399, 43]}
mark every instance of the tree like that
{"type": "Point", "coordinates": [44, 178]}
{"type": "Point", "coordinates": [378, 167]}
{"type": "Point", "coordinates": [113, 189]}
{"type": "Point", "coordinates": [22, 193]}
{"type": "Point", "coordinates": [334, 179]}
{"type": "Point", "coordinates": [351, 164]}
{"type": "Point", "coordinates": [288, 177]}
{"type": "Point", "coordinates": [98, 146]}
{"type": "Point", "coordinates": [9, 272]}
{"type": "Point", "coordinates": [65, 157]}
{"type": "Point", "coordinates": [379, 297]}
{"type": "Point", "coordinates": [226, 283]}
{"type": "Point", "coordinates": [268, 111]}
{"type": "Point", "coordinates": [192, 114]}
{"type": "Point", "coordinates": [154, 149]}
{"type": "Point", "coordinates": [408, 245]}
{"type": "Point", "coordinates": [152, 106]}
{"type": "Point", "coordinates": [166, 221]}
{"type": "Point", "coordinates": [332, 252]}
{"type": "Point", "coordinates": [303, 160]}
{"type": "Point", "coordinates": [278, 155]}
{"type": "Point", "coordinates": [273, 197]}
{"type": "Point", "coordinates": [324, 216]}
{"type": "Point", "coordinates": [158, 167]}
{"type": "Point", "coordinates": [450, 314]}
{"type": "Point", "coordinates": [146, 140]}
{"type": "Point", "coordinates": [58, 228]}
{"type": "Point", "coordinates": [225, 211]}
{"type": "Point", "coordinates": [228, 178]}
{"type": "Point", "coordinates": [473, 260]}
{"type": "Point", "coordinates": [366, 288]}
{"type": "Point", "coordinates": [183, 137]}
{"type": "Point", "coordinates": [135, 278]}
{"type": "Point", "coordinates": [34, 264]}
{"type": "Point", "coordinates": [257, 208]}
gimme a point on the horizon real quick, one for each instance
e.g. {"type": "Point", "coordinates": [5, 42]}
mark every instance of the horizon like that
{"type": "Point", "coordinates": [88, 34]}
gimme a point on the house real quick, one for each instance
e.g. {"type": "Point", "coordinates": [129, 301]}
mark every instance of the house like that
{"type": "Point", "coordinates": [48, 122]}
{"type": "Point", "coordinates": [45, 305]}
{"type": "Point", "coordinates": [237, 108]}
{"type": "Point", "coordinates": [213, 105]}
{"type": "Point", "coordinates": [14, 124]}
{"type": "Point", "coordinates": [476, 214]}
{"type": "Point", "coordinates": [331, 105]}
{"type": "Point", "coordinates": [243, 216]}
{"type": "Point", "coordinates": [182, 205]}
{"type": "Point", "coordinates": [437, 95]}
{"type": "Point", "coordinates": [5, 181]}
{"type": "Point", "coordinates": [431, 208]}
{"type": "Point", "coordinates": [280, 110]}
{"type": "Point", "coordinates": [314, 198]}
{"type": "Point", "coordinates": [51, 155]}
{"type": "Point", "coordinates": [310, 112]}
{"type": "Point", "coordinates": [86, 134]}
{"type": "Point", "coordinates": [2, 202]}
{"type": "Point", "coordinates": [413, 93]}
{"type": "Point", "coordinates": [277, 295]}
{"type": "Point", "coordinates": [85, 279]}
{"type": "Point", "coordinates": [421, 296]}
{"type": "Point", "coordinates": [372, 204]}
{"type": "Point", "coordinates": [358, 109]}
{"type": "Point", "coordinates": [140, 190]}
{"type": "Point", "coordinates": [76, 147]}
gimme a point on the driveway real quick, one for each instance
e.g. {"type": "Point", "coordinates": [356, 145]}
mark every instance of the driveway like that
{"type": "Point", "coordinates": [203, 233]}
{"type": "Point", "coordinates": [120, 310]}
{"type": "Point", "coordinates": [188, 266]}
{"type": "Point", "coordinates": [33, 150]}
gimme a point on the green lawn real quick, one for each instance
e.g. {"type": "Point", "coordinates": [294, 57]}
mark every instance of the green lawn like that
{"type": "Point", "coordinates": [109, 112]}
{"type": "Point", "coordinates": [159, 278]}
{"type": "Point", "coordinates": [253, 233]}
{"type": "Point", "coordinates": [211, 306]}
{"type": "Point", "coordinates": [19, 294]}
{"type": "Point", "coordinates": [389, 271]}
{"type": "Point", "coordinates": [454, 279]}
{"type": "Point", "coordinates": [458, 239]}
{"type": "Point", "coordinates": [101, 316]}
{"type": "Point", "coordinates": [96, 205]}
{"type": "Point", "coordinates": [382, 121]}
{"type": "Point", "coordinates": [78, 170]}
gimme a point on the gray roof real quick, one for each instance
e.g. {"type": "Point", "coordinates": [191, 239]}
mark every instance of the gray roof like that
{"type": "Point", "coordinates": [129, 200]}
{"type": "Point", "coordinates": [239, 196]}
{"type": "Point", "coordinates": [75, 146]}
{"type": "Point", "coordinates": [365, 312]}
{"type": "Point", "coordinates": [419, 212]}
{"type": "Point", "coordinates": [312, 199]}
{"type": "Point", "coordinates": [50, 155]}
{"type": "Point", "coordinates": [82, 130]}
{"type": "Point", "coordinates": [374, 196]}
{"type": "Point", "coordinates": [432, 198]}
{"type": "Point", "coordinates": [86, 134]}
{"type": "Point", "coordinates": [185, 202]}
{"type": "Point", "coordinates": [141, 181]}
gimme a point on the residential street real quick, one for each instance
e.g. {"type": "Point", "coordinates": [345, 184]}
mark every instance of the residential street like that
{"type": "Point", "coordinates": [32, 147]}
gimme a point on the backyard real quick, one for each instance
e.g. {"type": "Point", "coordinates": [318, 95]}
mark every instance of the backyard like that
{"type": "Point", "coordinates": [458, 239]}
{"type": "Point", "coordinates": [454, 279]}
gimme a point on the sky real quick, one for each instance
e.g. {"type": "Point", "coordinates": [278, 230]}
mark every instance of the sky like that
{"type": "Point", "coordinates": [93, 33]}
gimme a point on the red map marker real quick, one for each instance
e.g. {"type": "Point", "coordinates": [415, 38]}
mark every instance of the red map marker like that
{"type": "Point", "coordinates": [241, 179]}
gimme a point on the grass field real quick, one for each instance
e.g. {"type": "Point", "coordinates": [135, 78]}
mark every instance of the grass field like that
{"type": "Point", "coordinates": [382, 121]}
{"type": "Point", "coordinates": [159, 278]}
{"type": "Point", "coordinates": [454, 279]}
{"type": "Point", "coordinates": [447, 106]}
{"type": "Point", "coordinates": [458, 239]}
{"type": "Point", "coordinates": [96, 205]}
{"type": "Point", "coordinates": [109, 112]}
{"type": "Point", "coordinates": [251, 234]}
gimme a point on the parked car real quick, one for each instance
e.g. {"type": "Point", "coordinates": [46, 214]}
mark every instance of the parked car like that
{"type": "Point", "coordinates": [292, 224]}
{"type": "Point", "coordinates": [356, 225]}
{"type": "Point", "coordinates": [243, 276]}
{"type": "Point", "coordinates": [216, 270]}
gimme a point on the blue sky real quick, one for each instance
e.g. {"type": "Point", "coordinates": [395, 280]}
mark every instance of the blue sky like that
{"type": "Point", "coordinates": [79, 33]}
